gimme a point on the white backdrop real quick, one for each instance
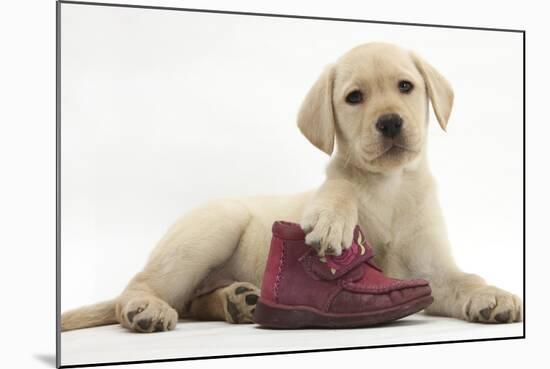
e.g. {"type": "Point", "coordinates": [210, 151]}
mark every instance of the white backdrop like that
{"type": "Point", "coordinates": [150, 97]}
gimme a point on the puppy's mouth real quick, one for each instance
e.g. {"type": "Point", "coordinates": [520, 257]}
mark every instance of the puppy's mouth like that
{"type": "Point", "coordinates": [391, 148]}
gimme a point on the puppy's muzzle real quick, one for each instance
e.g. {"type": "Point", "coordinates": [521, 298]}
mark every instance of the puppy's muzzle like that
{"type": "Point", "coordinates": [389, 125]}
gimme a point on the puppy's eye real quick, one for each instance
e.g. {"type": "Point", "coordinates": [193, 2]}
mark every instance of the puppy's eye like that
{"type": "Point", "coordinates": [354, 97]}
{"type": "Point", "coordinates": [405, 86]}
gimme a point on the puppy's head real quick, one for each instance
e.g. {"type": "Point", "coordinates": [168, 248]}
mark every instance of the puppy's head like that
{"type": "Point", "coordinates": [373, 102]}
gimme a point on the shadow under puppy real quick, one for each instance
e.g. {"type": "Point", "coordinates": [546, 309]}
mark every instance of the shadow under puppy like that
{"type": "Point", "coordinates": [373, 103]}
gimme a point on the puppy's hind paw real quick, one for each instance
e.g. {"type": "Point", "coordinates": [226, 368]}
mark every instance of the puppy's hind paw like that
{"type": "Point", "coordinates": [148, 314]}
{"type": "Point", "coordinates": [240, 302]}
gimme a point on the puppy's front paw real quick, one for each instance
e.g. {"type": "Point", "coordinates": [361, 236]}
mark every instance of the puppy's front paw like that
{"type": "Point", "coordinates": [489, 304]}
{"type": "Point", "coordinates": [329, 231]}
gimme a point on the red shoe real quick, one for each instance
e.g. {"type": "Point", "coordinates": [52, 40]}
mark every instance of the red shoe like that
{"type": "Point", "coordinates": [300, 289]}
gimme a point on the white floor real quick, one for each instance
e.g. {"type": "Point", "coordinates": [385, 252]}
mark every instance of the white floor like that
{"type": "Point", "coordinates": [195, 339]}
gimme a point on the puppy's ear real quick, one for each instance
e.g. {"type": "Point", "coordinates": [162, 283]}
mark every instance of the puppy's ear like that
{"type": "Point", "coordinates": [316, 116]}
{"type": "Point", "coordinates": [439, 90]}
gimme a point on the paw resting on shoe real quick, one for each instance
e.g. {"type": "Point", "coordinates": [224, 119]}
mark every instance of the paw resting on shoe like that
{"type": "Point", "coordinates": [490, 304]}
{"type": "Point", "coordinates": [148, 314]}
{"type": "Point", "coordinates": [329, 232]}
{"type": "Point", "coordinates": [240, 302]}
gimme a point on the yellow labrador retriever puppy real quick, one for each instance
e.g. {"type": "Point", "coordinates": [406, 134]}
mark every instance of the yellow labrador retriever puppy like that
{"type": "Point", "coordinates": [372, 105]}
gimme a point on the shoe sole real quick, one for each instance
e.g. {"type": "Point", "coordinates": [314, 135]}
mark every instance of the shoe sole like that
{"type": "Point", "coordinates": [291, 317]}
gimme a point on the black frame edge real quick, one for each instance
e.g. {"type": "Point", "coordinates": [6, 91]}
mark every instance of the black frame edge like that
{"type": "Point", "coordinates": [290, 352]}
{"type": "Point", "coordinates": [524, 182]}
{"type": "Point", "coordinates": [294, 16]}
{"type": "Point", "coordinates": [58, 184]}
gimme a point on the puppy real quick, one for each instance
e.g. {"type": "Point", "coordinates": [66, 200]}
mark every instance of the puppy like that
{"type": "Point", "coordinates": [372, 104]}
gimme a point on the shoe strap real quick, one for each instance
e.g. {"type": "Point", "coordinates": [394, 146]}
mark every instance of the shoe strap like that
{"type": "Point", "coordinates": [331, 267]}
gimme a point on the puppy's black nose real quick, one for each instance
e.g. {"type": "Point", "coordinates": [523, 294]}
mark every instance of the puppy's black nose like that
{"type": "Point", "coordinates": [389, 125]}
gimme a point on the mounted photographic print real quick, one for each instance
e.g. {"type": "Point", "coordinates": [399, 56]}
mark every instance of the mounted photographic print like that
{"type": "Point", "coordinates": [234, 183]}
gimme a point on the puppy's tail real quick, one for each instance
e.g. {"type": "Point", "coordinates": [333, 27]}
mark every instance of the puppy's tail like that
{"type": "Point", "coordinates": [102, 313]}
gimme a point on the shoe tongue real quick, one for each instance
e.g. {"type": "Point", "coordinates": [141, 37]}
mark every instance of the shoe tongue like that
{"type": "Point", "coordinates": [333, 267]}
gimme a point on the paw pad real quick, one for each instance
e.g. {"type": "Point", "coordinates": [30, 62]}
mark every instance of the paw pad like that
{"type": "Point", "coordinates": [233, 310]}
{"type": "Point", "coordinates": [131, 315]}
{"type": "Point", "coordinates": [503, 317]}
{"type": "Point", "coordinates": [242, 289]}
{"type": "Point", "coordinates": [486, 313]}
{"type": "Point", "coordinates": [144, 324]}
{"type": "Point", "coordinates": [251, 299]}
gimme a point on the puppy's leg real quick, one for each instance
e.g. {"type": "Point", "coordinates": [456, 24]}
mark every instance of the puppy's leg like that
{"type": "Point", "coordinates": [456, 294]}
{"type": "Point", "coordinates": [467, 296]}
{"type": "Point", "coordinates": [234, 303]}
{"type": "Point", "coordinates": [202, 240]}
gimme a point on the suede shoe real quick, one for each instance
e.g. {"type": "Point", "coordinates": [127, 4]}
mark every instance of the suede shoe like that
{"type": "Point", "coordinates": [301, 289]}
